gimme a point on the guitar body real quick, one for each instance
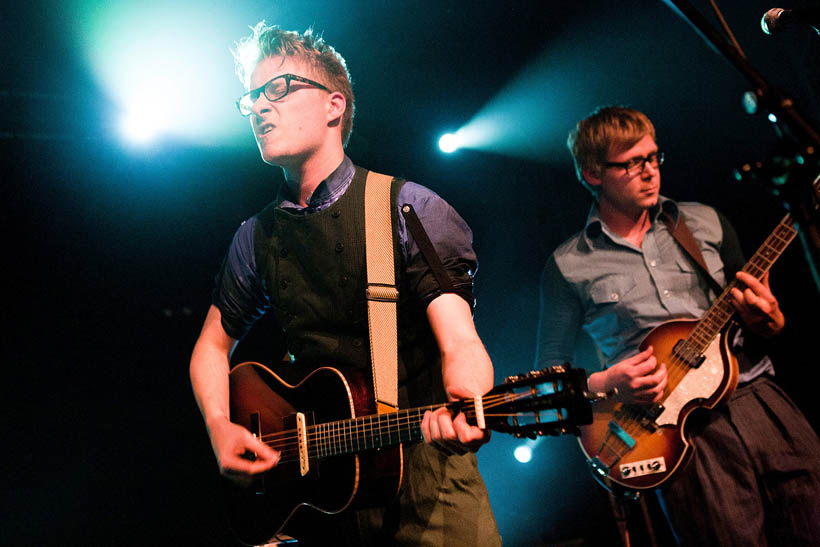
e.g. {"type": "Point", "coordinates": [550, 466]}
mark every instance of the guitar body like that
{"type": "Point", "coordinates": [336, 452]}
{"type": "Point", "coordinates": [639, 447]}
{"type": "Point", "coordinates": [276, 503]}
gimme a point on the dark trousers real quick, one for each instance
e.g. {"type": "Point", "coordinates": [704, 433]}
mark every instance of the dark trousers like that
{"type": "Point", "coordinates": [443, 502]}
{"type": "Point", "coordinates": [755, 476]}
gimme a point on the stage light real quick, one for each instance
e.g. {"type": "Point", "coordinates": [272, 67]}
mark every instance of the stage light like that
{"type": "Point", "coordinates": [138, 130]}
{"type": "Point", "coordinates": [772, 118]}
{"type": "Point", "coordinates": [518, 121]}
{"type": "Point", "coordinates": [448, 143]}
{"type": "Point", "coordinates": [523, 453]}
{"type": "Point", "coordinates": [146, 118]}
{"type": "Point", "coordinates": [166, 66]}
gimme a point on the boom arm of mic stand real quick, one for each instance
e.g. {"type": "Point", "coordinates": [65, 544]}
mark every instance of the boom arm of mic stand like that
{"type": "Point", "coordinates": [771, 99]}
{"type": "Point", "coordinates": [806, 201]}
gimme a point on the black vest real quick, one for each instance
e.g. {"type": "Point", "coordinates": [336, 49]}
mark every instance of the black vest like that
{"type": "Point", "coordinates": [315, 276]}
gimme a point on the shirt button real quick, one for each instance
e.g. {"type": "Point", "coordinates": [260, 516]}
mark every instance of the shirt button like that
{"type": "Point", "coordinates": [343, 281]}
{"type": "Point", "coordinates": [653, 263]}
{"type": "Point", "coordinates": [666, 292]}
{"type": "Point", "coordinates": [284, 283]}
{"type": "Point", "coordinates": [357, 342]}
{"type": "Point", "coordinates": [283, 253]}
{"type": "Point", "coordinates": [339, 247]}
{"type": "Point", "coordinates": [335, 214]}
{"type": "Point", "coordinates": [613, 296]}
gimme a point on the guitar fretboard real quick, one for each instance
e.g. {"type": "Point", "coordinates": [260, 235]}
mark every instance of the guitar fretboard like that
{"type": "Point", "coordinates": [722, 309]}
{"type": "Point", "coordinates": [366, 433]}
{"type": "Point", "coordinates": [356, 435]}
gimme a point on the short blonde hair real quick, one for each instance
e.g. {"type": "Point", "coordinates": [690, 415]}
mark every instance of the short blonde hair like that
{"type": "Point", "coordinates": [608, 128]}
{"type": "Point", "coordinates": [330, 67]}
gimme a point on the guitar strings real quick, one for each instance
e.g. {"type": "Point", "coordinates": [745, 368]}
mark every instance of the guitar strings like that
{"type": "Point", "coordinates": [757, 266]}
{"type": "Point", "coordinates": [393, 419]}
{"type": "Point", "coordinates": [331, 433]}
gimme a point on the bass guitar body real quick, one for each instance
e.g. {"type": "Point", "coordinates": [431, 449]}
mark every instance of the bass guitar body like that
{"type": "Point", "coordinates": [640, 446]}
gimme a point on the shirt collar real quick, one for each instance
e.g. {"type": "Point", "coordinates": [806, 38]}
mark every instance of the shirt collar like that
{"type": "Point", "coordinates": [594, 226]}
{"type": "Point", "coordinates": [326, 193]}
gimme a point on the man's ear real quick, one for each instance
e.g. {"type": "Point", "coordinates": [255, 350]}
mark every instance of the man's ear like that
{"type": "Point", "coordinates": [592, 175]}
{"type": "Point", "coordinates": [336, 106]}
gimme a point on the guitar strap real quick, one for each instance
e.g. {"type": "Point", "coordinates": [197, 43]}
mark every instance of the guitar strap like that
{"type": "Point", "coordinates": [381, 293]}
{"type": "Point", "coordinates": [416, 228]}
{"type": "Point", "coordinates": [680, 231]}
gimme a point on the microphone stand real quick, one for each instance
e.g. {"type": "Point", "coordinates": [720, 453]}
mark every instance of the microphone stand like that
{"type": "Point", "coordinates": [794, 178]}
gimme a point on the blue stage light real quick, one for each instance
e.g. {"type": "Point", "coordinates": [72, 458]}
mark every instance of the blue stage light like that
{"type": "Point", "coordinates": [448, 143]}
{"type": "Point", "coordinates": [166, 66]}
{"type": "Point", "coordinates": [523, 453]}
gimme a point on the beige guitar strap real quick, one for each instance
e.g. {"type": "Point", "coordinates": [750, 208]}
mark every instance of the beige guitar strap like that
{"type": "Point", "coordinates": [382, 294]}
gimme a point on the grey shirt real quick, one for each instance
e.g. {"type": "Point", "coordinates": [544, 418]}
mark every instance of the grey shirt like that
{"type": "Point", "coordinates": [617, 292]}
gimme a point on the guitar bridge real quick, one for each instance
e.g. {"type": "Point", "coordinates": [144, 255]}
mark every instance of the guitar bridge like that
{"type": "Point", "coordinates": [649, 415]}
{"type": "Point", "coordinates": [301, 435]}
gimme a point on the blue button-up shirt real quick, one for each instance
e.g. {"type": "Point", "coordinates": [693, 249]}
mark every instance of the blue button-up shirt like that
{"type": "Point", "coordinates": [617, 292]}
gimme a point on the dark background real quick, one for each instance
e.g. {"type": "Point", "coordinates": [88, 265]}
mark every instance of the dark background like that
{"type": "Point", "coordinates": [110, 254]}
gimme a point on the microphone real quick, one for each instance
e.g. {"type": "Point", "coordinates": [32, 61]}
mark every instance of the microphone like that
{"type": "Point", "coordinates": [776, 19]}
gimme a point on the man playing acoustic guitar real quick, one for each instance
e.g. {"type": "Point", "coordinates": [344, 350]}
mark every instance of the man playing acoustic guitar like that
{"type": "Point", "coordinates": [303, 260]}
{"type": "Point", "coordinates": [755, 475]}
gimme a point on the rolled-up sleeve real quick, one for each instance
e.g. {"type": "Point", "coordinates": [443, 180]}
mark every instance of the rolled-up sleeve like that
{"type": "Point", "coordinates": [451, 237]}
{"type": "Point", "coordinates": [239, 291]}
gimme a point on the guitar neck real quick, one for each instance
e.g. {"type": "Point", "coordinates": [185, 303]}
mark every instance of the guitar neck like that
{"type": "Point", "coordinates": [367, 432]}
{"type": "Point", "coordinates": [345, 437]}
{"type": "Point", "coordinates": [547, 401]}
{"type": "Point", "coordinates": [722, 310]}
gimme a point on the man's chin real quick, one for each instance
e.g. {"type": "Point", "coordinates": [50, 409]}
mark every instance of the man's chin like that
{"type": "Point", "coordinates": [651, 201]}
{"type": "Point", "coordinates": [270, 157]}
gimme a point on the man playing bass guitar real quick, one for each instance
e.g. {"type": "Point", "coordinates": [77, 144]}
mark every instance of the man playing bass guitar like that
{"type": "Point", "coordinates": [754, 476]}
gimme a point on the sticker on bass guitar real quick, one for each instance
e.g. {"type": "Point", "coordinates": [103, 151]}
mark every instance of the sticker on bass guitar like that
{"type": "Point", "coordinates": [643, 467]}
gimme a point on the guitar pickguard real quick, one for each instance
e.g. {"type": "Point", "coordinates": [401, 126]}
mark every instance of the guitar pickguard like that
{"type": "Point", "coordinates": [698, 384]}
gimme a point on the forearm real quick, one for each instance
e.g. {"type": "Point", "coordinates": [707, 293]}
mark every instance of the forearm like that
{"type": "Point", "coordinates": [466, 372]}
{"type": "Point", "coordinates": [209, 380]}
{"type": "Point", "coordinates": [465, 364]}
{"type": "Point", "coordinates": [209, 368]}
{"type": "Point", "coordinates": [467, 368]}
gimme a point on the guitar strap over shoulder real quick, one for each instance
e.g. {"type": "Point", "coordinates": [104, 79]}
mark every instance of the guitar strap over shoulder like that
{"type": "Point", "coordinates": [680, 231]}
{"type": "Point", "coordinates": [382, 294]}
{"type": "Point", "coordinates": [416, 228]}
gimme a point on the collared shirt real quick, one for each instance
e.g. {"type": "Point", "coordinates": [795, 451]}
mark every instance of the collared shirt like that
{"type": "Point", "coordinates": [240, 293]}
{"type": "Point", "coordinates": [617, 292]}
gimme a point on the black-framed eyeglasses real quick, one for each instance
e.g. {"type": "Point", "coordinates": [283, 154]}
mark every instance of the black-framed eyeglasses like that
{"type": "Point", "coordinates": [637, 165]}
{"type": "Point", "coordinates": [274, 90]}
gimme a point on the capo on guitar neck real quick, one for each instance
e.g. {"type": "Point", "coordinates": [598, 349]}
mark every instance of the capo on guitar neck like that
{"type": "Point", "coordinates": [478, 404]}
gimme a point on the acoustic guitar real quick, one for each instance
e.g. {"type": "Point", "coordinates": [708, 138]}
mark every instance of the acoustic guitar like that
{"type": "Point", "coordinates": [337, 453]}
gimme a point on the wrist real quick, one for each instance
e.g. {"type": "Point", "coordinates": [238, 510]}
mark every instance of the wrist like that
{"type": "Point", "coordinates": [216, 420]}
{"type": "Point", "coordinates": [598, 381]}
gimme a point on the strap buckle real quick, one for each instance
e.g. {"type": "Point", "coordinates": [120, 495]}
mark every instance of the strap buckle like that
{"type": "Point", "coordinates": [381, 292]}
